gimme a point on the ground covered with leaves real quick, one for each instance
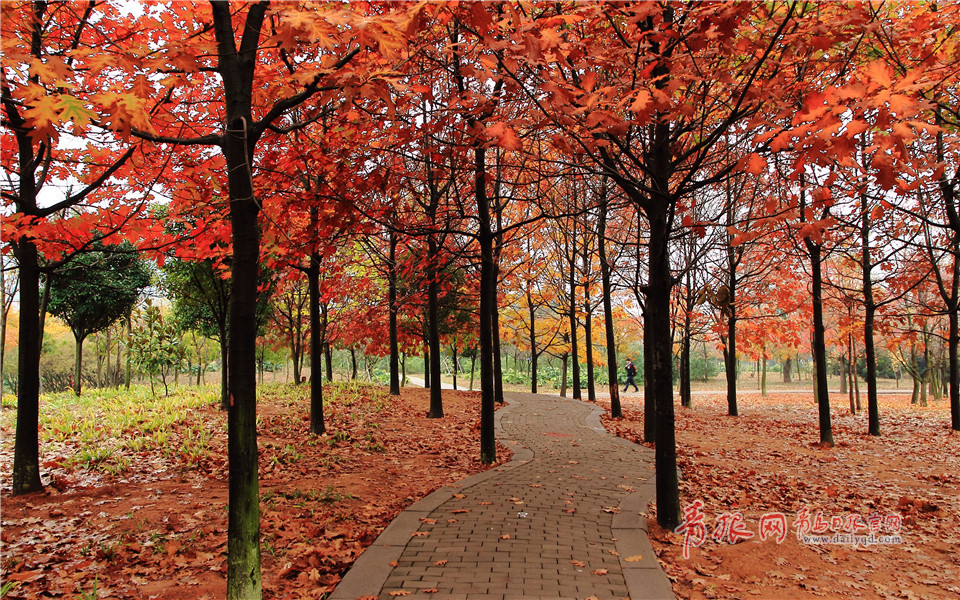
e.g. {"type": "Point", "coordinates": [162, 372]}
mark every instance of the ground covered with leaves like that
{"type": "Point", "coordinates": [736, 470]}
{"type": "Point", "coordinates": [137, 502]}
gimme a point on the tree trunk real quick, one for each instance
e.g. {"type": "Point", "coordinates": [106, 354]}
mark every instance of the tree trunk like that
{"type": "Point", "coordinates": [563, 375]}
{"type": "Point", "coordinates": [658, 335]}
{"type": "Point", "coordinates": [426, 364]}
{"type": "Point", "coordinates": [787, 368]}
{"type": "Point", "coordinates": [473, 365]}
{"type": "Point", "coordinates": [294, 355]}
{"type": "Point", "coordinates": [763, 380]}
{"type": "Point", "coordinates": [317, 422]}
{"type": "Point", "coordinates": [488, 300]}
{"type": "Point", "coordinates": [26, 453]}
{"type": "Point", "coordinates": [392, 300]}
{"type": "Point", "coordinates": [497, 356]}
{"type": "Point", "coordinates": [328, 358]}
{"type": "Point", "coordinates": [953, 334]}
{"type": "Point", "coordinates": [870, 311]}
{"type": "Point", "coordinates": [78, 365]}
{"type": "Point", "coordinates": [845, 373]}
{"type": "Point", "coordinates": [4, 312]}
{"type": "Point", "coordinates": [588, 341]}
{"type": "Point", "coordinates": [533, 342]}
{"type": "Point", "coordinates": [606, 289]}
{"type": "Point", "coordinates": [353, 364]}
{"type": "Point", "coordinates": [224, 368]}
{"type": "Point", "coordinates": [731, 363]}
{"type": "Point", "coordinates": [243, 528]}
{"type": "Point", "coordinates": [649, 396]}
{"type": "Point", "coordinates": [453, 349]}
{"type": "Point", "coordinates": [433, 331]}
{"type": "Point", "coordinates": [686, 398]}
{"type": "Point", "coordinates": [819, 345]}
{"type": "Point", "coordinates": [574, 354]}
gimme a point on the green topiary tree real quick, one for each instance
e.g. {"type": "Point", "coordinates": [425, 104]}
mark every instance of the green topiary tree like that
{"type": "Point", "coordinates": [95, 289]}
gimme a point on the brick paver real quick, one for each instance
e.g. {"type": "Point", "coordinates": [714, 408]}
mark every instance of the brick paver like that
{"type": "Point", "coordinates": [563, 519]}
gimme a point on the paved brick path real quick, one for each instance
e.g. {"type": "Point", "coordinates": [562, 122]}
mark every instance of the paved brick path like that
{"type": "Point", "coordinates": [561, 520]}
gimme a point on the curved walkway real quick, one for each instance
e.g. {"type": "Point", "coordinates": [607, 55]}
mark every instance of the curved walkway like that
{"type": "Point", "coordinates": [563, 519]}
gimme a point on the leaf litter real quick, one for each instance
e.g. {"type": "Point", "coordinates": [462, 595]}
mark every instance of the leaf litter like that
{"type": "Point", "coordinates": [768, 460]}
{"type": "Point", "coordinates": [157, 529]}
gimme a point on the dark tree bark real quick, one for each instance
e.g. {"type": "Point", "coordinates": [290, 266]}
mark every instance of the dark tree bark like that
{"type": "Point", "coordinates": [224, 368]}
{"type": "Point", "coordinates": [615, 410]}
{"type": "Point", "coordinates": [392, 299]}
{"type": "Point", "coordinates": [649, 397]}
{"type": "Point", "coordinates": [534, 355]}
{"type": "Point", "coordinates": [819, 344]}
{"type": "Point", "coordinates": [78, 365]}
{"type": "Point", "coordinates": [497, 356]}
{"type": "Point", "coordinates": [426, 364]}
{"type": "Point", "coordinates": [317, 424]}
{"type": "Point", "coordinates": [236, 67]}
{"type": "Point", "coordinates": [453, 351]}
{"type": "Point", "coordinates": [563, 373]}
{"type": "Point", "coordinates": [572, 283]}
{"type": "Point", "coordinates": [328, 356]}
{"type": "Point", "coordinates": [731, 315]}
{"type": "Point", "coordinates": [658, 335]}
{"type": "Point", "coordinates": [433, 309]}
{"type": "Point", "coordinates": [948, 185]}
{"type": "Point", "coordinates": [686, 395]}
{"type": "Point", "coordinates": [488, 299]}
{"type": "Point", "coordinates": [869, 318]}
{"type": "Point", "coordinates": [26, 453]}
{"type": "Point", "coordinates": [730, 359]}
{"type": "Point", "coordinates": [433, 314]}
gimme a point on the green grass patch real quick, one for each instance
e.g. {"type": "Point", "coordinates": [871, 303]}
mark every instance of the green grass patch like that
{"type": "Point", "coordinates": [102, 428]}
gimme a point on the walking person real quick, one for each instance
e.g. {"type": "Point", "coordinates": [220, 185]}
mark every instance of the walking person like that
{"type": "Point", "coordinates": [631, 373]}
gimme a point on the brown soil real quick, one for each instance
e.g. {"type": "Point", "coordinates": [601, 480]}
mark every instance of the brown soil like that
{"type": "Point", "coordinates": [158, 530]}
{"type": "Point", "coordinates": [768, 460]}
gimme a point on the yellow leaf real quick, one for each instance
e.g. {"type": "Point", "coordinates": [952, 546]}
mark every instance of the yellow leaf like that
{"type": "Point", "coordinates": [634, 558]}
{"type": "Point", "coordinates": [42, 115]}
{"type": "Point", "coordinates": [50, 70]}
{"type": "Point", "coordinates": [72, 109]}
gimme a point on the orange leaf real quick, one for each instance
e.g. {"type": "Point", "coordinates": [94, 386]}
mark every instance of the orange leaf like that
{"type": "Point", "coordinates": [757, 164]}
{"type": "Point", "coordinates": [505, 137]}
{"type": "Point", "coordinates": [600, 572]}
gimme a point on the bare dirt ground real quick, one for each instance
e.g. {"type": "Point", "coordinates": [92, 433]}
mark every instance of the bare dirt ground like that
{"type": "Point", "coordinates": [158, 529]}
{"type": "Point", "coordinates": [769, 461]}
